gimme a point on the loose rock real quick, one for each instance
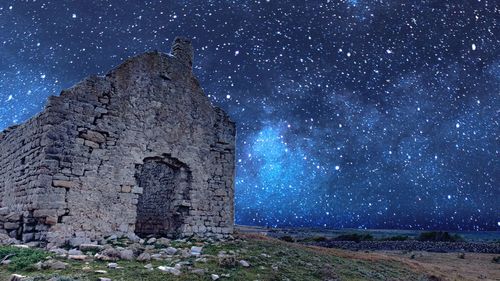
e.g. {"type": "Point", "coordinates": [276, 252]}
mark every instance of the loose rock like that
{"type": "Point", "coordinates": [144, 257]}
{"type": "Point", "coordinates": [77, 257]}
{"type": "Point", "coordinates": [17, 277]}
{"type": "Point", "coordinates": [196, 251]}
{"type": "Point", "coordinates": [171, 251]}
{"type": "Point", "coordinates": [226, 260]}
{"type": "Point", "coordinates": [111, 254]}
{"type": "Point", "coordinates": [163, 241]}
{"type": "Point", "coordinates": [59, 252]}
{"type": "Point", "coordinates": [148, 266]}
{"type": "Point", "coordinates": [199, 271]}
{"type": "Point", "coordinates": [75, 252]}
{"type": "Point", "coordinates": [171, 270]}
{"type": "Point", "coordinates": [91, 247]}
{"type": "Point", "coordinates": [127, 254]}
{"type": "Point", "coordinates": [53, 264]}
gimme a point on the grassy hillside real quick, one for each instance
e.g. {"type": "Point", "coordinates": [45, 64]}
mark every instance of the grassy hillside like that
{"type": "Point", "coordinates": [269, 259]}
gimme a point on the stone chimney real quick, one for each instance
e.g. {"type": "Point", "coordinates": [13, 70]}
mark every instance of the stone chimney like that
{"type": "Point", "coordinates": [183, 50]}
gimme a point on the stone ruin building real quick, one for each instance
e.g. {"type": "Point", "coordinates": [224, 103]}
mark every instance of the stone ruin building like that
{"type": "Point", "coordinates": [139, 151]}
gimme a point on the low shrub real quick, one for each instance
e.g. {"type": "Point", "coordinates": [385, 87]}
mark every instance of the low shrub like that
{"type": "Point", "coordinates": [354, 237]}
{"type": "Point", "coordinates": [287, 238]}
{"type": "Point", "coordinates": [396, 238]}
{"type": "Point", "coordinates": [21, 258]}
{"type": "Point", "coordinates": [319, 238]}
{"type": "Point", "coordinates": [439, 236]}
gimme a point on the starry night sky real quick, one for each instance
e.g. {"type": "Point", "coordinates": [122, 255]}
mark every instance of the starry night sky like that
{"type": "Point", "coordinates": [354, 113]}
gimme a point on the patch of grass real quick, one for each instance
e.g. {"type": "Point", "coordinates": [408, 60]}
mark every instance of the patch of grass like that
{"type": "Point", "coordinates": [439, 236]}
{"type": "Point", "coordinates": [54, 277]}
{"type": "Point", "coordinates": [181, 243]}
{"type": "Point", "coordinates": [214, 249]}
{"type": "Point", "coordinates": [21, 258]}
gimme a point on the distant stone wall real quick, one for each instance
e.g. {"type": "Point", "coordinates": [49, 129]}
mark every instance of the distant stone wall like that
{"type": "Point", "coordinates": [99, 132]}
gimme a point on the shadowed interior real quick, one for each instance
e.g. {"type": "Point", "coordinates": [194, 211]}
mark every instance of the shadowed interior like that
{"type": "Point", "coordinates": [160, 209]}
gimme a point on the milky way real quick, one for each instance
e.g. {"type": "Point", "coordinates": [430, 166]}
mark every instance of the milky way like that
{"type": "Point", "coordinates": [370, 114]}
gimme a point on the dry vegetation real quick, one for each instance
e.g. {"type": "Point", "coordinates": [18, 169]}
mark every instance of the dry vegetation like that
{"type": "Point", "coordinates": [273, 259]}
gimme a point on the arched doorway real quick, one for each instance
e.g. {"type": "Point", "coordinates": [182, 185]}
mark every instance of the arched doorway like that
{"type": "Point", "coordinates": [164, 202]}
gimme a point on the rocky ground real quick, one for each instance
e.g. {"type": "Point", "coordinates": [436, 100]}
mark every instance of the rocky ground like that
{"type": "Point", "coordinates": [246, 257]}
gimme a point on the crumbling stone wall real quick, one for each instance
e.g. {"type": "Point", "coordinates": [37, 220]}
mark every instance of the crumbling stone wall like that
{"type": "Point", "coordinates": [21, 158]}
{"type": "Point", "coordinates": [70, 173]}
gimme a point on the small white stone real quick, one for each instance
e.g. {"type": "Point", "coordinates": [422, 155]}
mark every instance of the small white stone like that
{"type": "Point", "coordinates": [148, 266]}
{"type": "Point", "coordinates": [169, 269]}
{"type": "Point", "coordinates": [77, 257]}
{"type": "Point", "coordinates": [196, 251]}
{"type": "Point", "coordinates": [16, 277]}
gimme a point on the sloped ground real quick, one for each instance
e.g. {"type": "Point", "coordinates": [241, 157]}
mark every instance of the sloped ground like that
{"type": "Point", "coordinates": [269, 259]}
{"type": "Point", "coordinates": [450, 266]}
{"type": "Point", "coordinates": [435, 266]}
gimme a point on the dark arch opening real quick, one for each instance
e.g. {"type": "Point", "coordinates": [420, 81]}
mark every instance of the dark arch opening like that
{"type": "Point", "coordinates": [164, 203]}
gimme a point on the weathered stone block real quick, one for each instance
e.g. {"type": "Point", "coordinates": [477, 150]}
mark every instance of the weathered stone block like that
{"type": "Point", "coordinates": [91, 144]}
{"type": "Point", "coordinates": [137, 190]}
{"type": "Point", "coordinates": [50, 220]}
{"type": "Point", "coordinates": [126, 189]}
{"type": "Point", "coordinates": [4, 211]}
{"type": "Point", "coordinates": [44, 213]}
{"type": "Point", "coordinates": [13, 217]}
{"type": "Point", "coordinates": [64, 183]}
{"type": "Point", "coordinates": [11, 225]}
{"type": "Point", "coordinates": [94, 136]}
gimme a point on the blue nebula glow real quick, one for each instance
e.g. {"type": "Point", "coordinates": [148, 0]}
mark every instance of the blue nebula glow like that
{"type": "Point", "coordinates": [353, 2]}
{"type": "Point", "coordinates": [279, 181]}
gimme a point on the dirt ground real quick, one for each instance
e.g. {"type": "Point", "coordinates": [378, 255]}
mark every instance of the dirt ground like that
{"type": "Point", "coordinates": [443, 266]}
{"type": "Point", "coordinates": [438, 266]}
{"type": "Point", "coordinates": [449, 266]}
